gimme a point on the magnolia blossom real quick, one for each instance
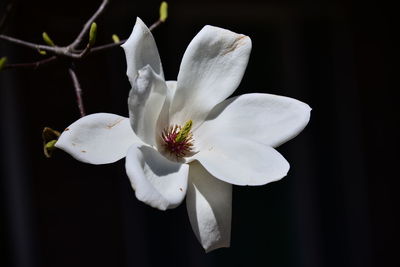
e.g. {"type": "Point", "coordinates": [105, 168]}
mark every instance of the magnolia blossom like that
{"type": "Point", "coordinates": [184, 138]}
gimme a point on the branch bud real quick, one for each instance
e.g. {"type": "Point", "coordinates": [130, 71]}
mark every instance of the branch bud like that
{"type": "Point", "coordinates": [47, 39]}
{"type": "Point", "coordinates": [49, 147]}
{"type": "Point", "coordinates": [50, 138]}
{"type": "Point", "coordinates": [163, 11]}
{"type": "Point", "coordinates": [115, 38]}
{"type": "Point", "coordinates": [3, 62]}
{"type": "Point", "coordinates": [92, 34]}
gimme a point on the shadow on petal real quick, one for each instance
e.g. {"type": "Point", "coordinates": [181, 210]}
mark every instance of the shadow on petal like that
{"type": "Point", "coordinates": [209, 206]}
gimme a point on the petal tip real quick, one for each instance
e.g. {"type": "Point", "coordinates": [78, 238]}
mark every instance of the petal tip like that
{"type": "Point", "coordinates": [139, 26]}
{"type": "Point", "coordinates": [139, 21]}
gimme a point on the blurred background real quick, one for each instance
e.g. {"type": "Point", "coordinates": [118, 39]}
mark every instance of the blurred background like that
{"type": "Point", "coordinates": [336, 207]}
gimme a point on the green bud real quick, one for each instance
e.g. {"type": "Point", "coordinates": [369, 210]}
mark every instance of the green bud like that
{"type": "Point", "coordinates": [92, 34]}
{"type": "Point", "coordinates": [163, 11]}
{"type": "Point", "coordinates": [42, 52]}
{"type": "Point", "coordinates": [47, 39]}
{"type": "Point", "coordinates": [184, 132]}
{"type": "Point", "coordinates": [3, 62]}
{"type": "Point", "coordinates": [115, 38]}
{"type": "Point", "coordinates": [48, 148]}
{"type": "Point", "coordinates": [50, 138]}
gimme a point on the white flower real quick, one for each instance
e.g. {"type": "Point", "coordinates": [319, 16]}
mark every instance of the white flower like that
{"type": "Point", "coordinates": [187, 140]}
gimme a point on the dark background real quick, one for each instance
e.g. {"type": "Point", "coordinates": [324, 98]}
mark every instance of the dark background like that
{"type": "Point", "coordinates": [337, 206]}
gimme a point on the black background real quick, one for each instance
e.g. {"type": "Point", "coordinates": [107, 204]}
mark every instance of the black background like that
{"type": "Point", "coordinates": [337, 206]}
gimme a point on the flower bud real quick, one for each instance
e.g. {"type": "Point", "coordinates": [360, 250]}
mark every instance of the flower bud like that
{"type": "Point", "coordinates": [115, 38]}
{"type": "Point", "coordinates": [3, 62]}
{"type": "Point", "coordinates": [47, 39]}
{"type": "Point", "coordinates": [92, 34]}
{"type": "Point", "coordinates": [50, 138]}
{"type": "Point", "coordinates": [163, 11]}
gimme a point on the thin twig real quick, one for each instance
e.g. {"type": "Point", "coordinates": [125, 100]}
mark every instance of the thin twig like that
{"type": "Point", "coordinates": [78, 90]}
{"type": "Point", "coordinates": [34, 46]}
{"type": "Point", "coordinates": [60, 51]}
{"type": "Point", "coordinates": [87, 25]}
{"type": "Point", "coordinates": [106, 46]}
{"type": "Point", "coordinates": [155, 25]}
{"type": "Point", "coordinates": [84, 52]}
{"type": "Point", "coordinates": [31, 65]}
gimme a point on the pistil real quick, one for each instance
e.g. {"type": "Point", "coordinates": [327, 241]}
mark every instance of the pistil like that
{"type": "Point", "coordinates": [178, 140]}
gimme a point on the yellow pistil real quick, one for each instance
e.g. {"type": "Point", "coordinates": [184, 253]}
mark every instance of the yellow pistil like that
{"type": "Point", "coordinates": [184, 132]}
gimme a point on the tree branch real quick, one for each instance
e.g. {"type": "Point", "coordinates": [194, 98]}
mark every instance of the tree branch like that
{"type": "Point", "coordinates": [60, 51]}
{"type": "Point", "coordinates": [37, 47]}
{"type": "Point", "coordinates": [31, 65]}
{"type": "Point", "coordinates": [78, 90]}
{"type": "Point", "coordinates": [155, 25]}
{"type": "Point", "coordinates": [69, 51]}
{"type": "Point", "coordinates": [106, 46]}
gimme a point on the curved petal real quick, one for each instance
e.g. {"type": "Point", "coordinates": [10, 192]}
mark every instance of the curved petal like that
{"type": "Point", "coordinates": [211, 69]}
{"type": "Point", "coordinates": [163, 121]}
{"type": "Point", "coordinates": [141, 50]}
{"type": "Point", "coordinates": [146, 100]}
{"type": "Point", "coordinates": [209, 206]}
{"type": "Point", "coordinates": [242, 162]}
{"type": "Point", "coordinates": [171, 85]}
{"type": "Point", "coordinates": [157, 181]}
{"type": "Point", "coordinates": [98, 138]}
{"type": "Point", "coordinates": [269, 119]}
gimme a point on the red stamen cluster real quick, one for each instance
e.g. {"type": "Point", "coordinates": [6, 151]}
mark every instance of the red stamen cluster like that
{"type": "Point", "coordinates": [178, 148]}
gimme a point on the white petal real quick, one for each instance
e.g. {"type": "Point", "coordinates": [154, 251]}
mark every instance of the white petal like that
{"type": "Point", "coordinates": [141, 50]}
{"type": "Point", "coordinates": [99, 138]}
{"type": "Point", "coordinates": [209, 206]}
{"type": "Point", "coordinates": [157, 181]}
{"type": "Point", "coordinates": [146, 99]}
{"type": "Point", "coordinates": [211, 69]}
{"type": "Point", "coordinates": [242, 162]}
{"type": "Point", "coordinates": [163, 119]}
{"type": "Point", "coordinates": [268, 119]}
{"type": "Point", "coordinates": [171, 89]}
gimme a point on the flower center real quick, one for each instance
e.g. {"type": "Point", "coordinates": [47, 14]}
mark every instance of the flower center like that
{"type": "Point", "coordinates": [178, 140]}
